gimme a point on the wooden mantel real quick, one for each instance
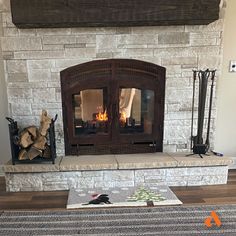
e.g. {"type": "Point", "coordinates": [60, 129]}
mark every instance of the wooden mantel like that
{"type": "Point", "coordinates": [84, 13]}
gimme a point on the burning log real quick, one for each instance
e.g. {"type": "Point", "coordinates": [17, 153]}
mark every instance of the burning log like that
{"type": "Point", "coordinates": [102, 116]}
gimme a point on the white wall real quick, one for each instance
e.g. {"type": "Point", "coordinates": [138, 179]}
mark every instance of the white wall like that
{"type": "Point", "coordinates": [226, 91]}
{"type": "Point", "coordinates": [4, 138]}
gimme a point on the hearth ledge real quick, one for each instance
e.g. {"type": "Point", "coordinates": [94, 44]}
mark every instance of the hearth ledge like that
{"type": "Point", "coordinates": [106, 171]}
{"type": "Point", "coordinates": [120, 162]}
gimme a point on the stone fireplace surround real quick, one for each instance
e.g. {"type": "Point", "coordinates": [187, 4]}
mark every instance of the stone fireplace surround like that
{"type": "Point", "coordinates": [33, 60]}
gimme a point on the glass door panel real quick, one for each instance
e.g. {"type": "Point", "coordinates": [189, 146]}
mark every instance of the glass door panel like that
{"type": "Point", "coordinates": [90, 112]}
{"type": "Point", "coordinates": [136, 110]}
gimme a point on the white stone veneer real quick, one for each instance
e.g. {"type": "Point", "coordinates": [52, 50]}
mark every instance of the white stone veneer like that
{"type": "Point", "coordinates": [34, 58]}
{"type": "Point", "coordinates": [189, 176]}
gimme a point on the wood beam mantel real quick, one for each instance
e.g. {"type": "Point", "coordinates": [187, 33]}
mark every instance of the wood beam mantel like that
{"type": "Point", "coordinates": [84, 13]}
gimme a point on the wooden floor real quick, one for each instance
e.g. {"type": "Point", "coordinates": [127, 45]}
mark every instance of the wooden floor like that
{"type": "Point", "coordinates": [218, 194]}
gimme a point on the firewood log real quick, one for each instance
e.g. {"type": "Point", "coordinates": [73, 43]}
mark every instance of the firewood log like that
{"type": "Point", "coordinates": [25, 139]}
{"type": "Point", "coordinates": [23, 155]}
{"type": "Point", "coordinates": [45, 122]}
{"type": "Point", "coordinates": [34, 152]}
{"type": "Point", "coordinates": [40, 143]}
{"type": "Point", "coordinates": [33, 130]}
{"type": "Point", "coordinates": [47, 152]}
{"type": "Point", "coordinates": [33, 140]}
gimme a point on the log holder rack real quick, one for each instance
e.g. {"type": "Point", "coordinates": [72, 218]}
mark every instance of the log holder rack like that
{"type": "Point", "coordinates": [15, 148]}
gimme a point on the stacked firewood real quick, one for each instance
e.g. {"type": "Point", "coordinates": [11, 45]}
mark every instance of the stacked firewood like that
{"type": "Point", "coordinates": [33, 140]}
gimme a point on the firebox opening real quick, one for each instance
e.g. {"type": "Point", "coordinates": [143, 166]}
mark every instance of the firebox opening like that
{"type": "Point", "coordinates": [136, 111]}
{"type": "Point", "coordinates": [90, 112]}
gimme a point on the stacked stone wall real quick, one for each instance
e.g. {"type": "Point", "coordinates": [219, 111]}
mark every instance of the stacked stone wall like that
{"type": "Point", "coordinates": [33, 60]}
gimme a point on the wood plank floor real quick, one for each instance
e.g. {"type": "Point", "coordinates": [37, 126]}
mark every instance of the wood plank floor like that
{"type": "Point", "coordinates": [217, 194]}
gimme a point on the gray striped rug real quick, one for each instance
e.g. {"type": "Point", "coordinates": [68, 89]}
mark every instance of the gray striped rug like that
{"type": "Point", "coordinates": [176, 221]}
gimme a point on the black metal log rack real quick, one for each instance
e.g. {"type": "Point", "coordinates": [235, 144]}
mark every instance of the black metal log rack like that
{"type": "Point", "coordinates": [15, 148]}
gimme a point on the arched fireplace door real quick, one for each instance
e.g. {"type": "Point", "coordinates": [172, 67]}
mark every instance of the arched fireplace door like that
{"type": "Point", "coordinates": [113, 106]}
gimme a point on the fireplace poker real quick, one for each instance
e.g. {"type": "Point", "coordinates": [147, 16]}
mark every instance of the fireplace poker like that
{"type": "Point", "coordinates": [203, 77]}
{"type": "Point", "coordinates": [194, 84]}
{"type": "Point", "coordinates": [210, 107]}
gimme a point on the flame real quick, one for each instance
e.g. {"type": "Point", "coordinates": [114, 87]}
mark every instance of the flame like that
{"type": "Point", "coordinates": [102, 116]}
{"type": "Point", "coordinates": [123, 117]}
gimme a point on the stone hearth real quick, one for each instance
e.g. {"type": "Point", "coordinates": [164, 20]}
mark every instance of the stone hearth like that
{"type": "Point", "coordinates": [173, 169]}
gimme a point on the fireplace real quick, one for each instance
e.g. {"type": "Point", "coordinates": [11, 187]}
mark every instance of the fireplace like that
{"type": "Point", "coordinates": [113, 106]}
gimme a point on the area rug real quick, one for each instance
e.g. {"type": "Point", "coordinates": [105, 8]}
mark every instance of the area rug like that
{"type": "Point", "coordinates": [121, 197]}
{"type": "Point", "coordinates": [167, 220]}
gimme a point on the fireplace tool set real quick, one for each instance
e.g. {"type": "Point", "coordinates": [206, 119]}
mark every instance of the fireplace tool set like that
{"type": "Point", "coordinates": [198, 145]}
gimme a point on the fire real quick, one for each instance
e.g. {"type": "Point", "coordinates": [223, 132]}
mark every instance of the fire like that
{"type": "Point", "coordinates": [102, 116]}
{"type": "Point", "coordinates": [123, 117]}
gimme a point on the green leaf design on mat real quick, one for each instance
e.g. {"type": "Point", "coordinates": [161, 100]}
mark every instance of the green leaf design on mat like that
{"type": "Point", "coordinates": [143, 195]}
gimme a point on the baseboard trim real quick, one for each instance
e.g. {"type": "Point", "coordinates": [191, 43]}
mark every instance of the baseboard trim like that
{"type": "Point", "coordinates": [1, 170]}
{"type": "Point", "coordinates": [233, 166]}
